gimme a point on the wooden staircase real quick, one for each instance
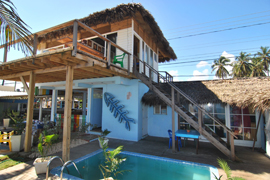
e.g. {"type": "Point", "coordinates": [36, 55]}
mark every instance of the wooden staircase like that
{"type": "Point", "coordinates": [146, 74]}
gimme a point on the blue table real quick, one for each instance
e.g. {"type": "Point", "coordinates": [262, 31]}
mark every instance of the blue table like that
{"type": "Point", "coordinates": [193, 134]}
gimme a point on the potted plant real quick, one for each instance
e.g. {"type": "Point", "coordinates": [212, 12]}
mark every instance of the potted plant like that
{"type": "Point", "coordinates": [188, 128]}
{"type": "Point", "coordinates": [6, 118]}
{"type": "Point", "coordinates": [17, 139]}
{"type": "Point", "coordinates": [45, 142]}
{"type": "Point", "coordinates": [112, 162]}
{"type": "Point", "coordinates": [103, 141]}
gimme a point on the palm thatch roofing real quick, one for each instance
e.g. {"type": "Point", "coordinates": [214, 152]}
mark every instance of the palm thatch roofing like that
{"type": "Point", "coordinates": [116, 14]}
{"type": "Point", "coordinates": [254, 92]}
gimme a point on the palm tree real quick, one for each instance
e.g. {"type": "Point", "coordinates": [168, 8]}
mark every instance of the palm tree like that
{"type": "Point", "coordinates": [242, 67]}
{"type": "Point", "coordinates": [264, 55]}
{"type": "Point", "coordinates": [219, 66]}
{"type": "Point", "coordinates": [257, 68]}
{"type": "Point", "coordinates": [14, 28]}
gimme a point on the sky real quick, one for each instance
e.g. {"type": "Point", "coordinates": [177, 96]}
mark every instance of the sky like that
{"type": "Point", "coordinates": [198, 31]}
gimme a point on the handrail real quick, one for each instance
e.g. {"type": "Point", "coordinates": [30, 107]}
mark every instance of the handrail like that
{"type": "Point", "coordinates": [63, 167]}
{"type": "Point", "coordinates": [48, 165]}
{"type": "Point", "coordinates": [169, 81]}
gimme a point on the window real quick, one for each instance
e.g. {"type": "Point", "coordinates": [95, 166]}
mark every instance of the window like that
{"type": "Point", "coordinates": [243, 122]}
{"type": "Point", "coordinates": [160, 109]}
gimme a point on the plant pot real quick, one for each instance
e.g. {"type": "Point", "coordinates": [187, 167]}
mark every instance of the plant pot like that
{"type": "Point", "coordinates": [17, 142]}
{"type": "Point", "coordinates": [105, 142]}
{"type": "Point", "coordinates": [41, 165]}
{"type": "Point", "coordinates": [6, 122]}
{"type": "Point", "coordinates": [188, 131]}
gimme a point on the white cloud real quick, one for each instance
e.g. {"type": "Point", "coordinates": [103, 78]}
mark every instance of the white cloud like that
{"type": "Point", "coordinates": [202, 64]}
{"type": "Point", "coordinates": [174, 73]}
{"type": "Point", "coordinates": [199, 76]}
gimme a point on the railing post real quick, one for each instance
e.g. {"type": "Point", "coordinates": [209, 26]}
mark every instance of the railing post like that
{"type": "Point", "coordinates": [109, 55]}
{"type": "Point", "coordinates": [173, 121]}
{"type": "Point", "coordinates": [75, 34]}
{"type": "Point", "coordinates": [200, 115]}
{"type": "Point", "coordinates": [144, 67]}
{"type": "Point", "coordinates": [232, 148]}
{"type": "Point", "coordinates": [228, 139]}
{"type": "Point", "coordinates": [128, 64]}
{"type": "Point", "coordinates": [150, 74]}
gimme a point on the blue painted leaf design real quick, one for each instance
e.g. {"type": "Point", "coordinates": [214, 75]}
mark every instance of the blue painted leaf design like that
{"type": "Point", "coordinates": [117, 110]}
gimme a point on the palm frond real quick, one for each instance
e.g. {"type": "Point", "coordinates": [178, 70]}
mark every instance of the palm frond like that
{"type": "Point", "coordinates": [223, 164]}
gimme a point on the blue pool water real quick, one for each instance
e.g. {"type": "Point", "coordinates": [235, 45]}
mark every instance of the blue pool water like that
{"type": "Point", "coordinates": [143, 167]}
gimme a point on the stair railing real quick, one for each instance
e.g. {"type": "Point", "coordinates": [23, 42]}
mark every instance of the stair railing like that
{"type": "Point", "coordinates": [169, 80]}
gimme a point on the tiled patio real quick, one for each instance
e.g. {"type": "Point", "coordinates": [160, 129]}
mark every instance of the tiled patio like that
{"type": "Point", "coordinates": [255, 164]}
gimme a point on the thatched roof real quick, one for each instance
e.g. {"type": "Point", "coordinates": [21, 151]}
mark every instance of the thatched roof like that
{"type": "Point", "coordinates": [116, 14]}
{"type": "Point", "coordinates": [242, 92]}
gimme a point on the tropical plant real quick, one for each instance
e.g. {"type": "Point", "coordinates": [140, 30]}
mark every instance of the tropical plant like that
{"type": "Point", "coordinates": [264, 55]}
{"type": "Point", "coordinates": [18, 121]}
{"type": "Point", "coordinates": [257, 68]}
{"type": "Point", "coordinates": [45, 142]}
{"type": "Point", "coordinates": [223, 164]}
{"type": "Point", "coordinates": [242, 67]}
{"type": "Point", "coordinates": [112, 162]}
{"type": "Point", "coordinates": [14, 28]}
{"type": "Point", "coordinates": [219, 67]}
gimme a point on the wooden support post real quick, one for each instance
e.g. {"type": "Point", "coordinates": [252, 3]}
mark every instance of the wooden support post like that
{"type": "Point", "coordinates": [24, 84]}
{"type": "Point", "coordinates": [30, 111]}
{"type": "Point", "coordinates": [173, 123]}
{"type": "Point", "coordinates": [255, 138]}
{"type": "Point", "coordinates": [200, 116]}
{"type": "Point", "coordinates": [228, 139]}
{"type": "Point", "coordinates": [109, 55]}
{"type": "Point", "coordinates": [150, 75]}
{"type": "Point", "coordinates": [75, 34]}
{"type": "Point", "coordinates": [4, 60]}
{"type": "Point", "coordinates": [5, 54]}
{"type": "Point", "coordinates": [232, 148]}
{"type": "Point", "coordinates": [67, 114]}
{"type": "Point", "coordinates": [35, 46]}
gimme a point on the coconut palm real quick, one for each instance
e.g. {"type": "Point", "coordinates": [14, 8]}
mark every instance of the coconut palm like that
{"type": "Point", "coordinates": [219, 66]}
{"type": "Point", "coordinates": [264, 55]}
{"type": "Point", "coordinates": [242, 67]}
{"type": "Point", "coordinates": [257, 68]}
{"type": "Point", "coordinates": [13, 28]}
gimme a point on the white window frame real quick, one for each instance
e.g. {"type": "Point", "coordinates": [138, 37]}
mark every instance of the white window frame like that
{"type": "Point", "coordinates": [160, 109]}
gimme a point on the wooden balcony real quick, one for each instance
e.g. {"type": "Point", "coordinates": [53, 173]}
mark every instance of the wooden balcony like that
{"type": "Point", "coordinates": [85, 57]}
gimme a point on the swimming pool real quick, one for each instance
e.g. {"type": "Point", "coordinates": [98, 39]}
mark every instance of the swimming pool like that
{"type": "Point", "coordinates": [143, 167]}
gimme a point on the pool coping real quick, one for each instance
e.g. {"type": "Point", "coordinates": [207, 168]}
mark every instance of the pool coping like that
{"type": "Point", "coordinates": [213, 169]}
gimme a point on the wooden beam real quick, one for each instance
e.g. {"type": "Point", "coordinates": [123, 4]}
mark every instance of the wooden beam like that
{"type": "Point", "coordinates": [67, 114]}
{"type": "Point", "coordinates": [5, 54]}
{"type": "Point", "coordinates": [173, 122]}
{"type": "Point", "coordinates": [30, 111]}
{"type": "Point", "coordinates": [14, 75]}
{"type": "Point", "coordinates": [24, 84]}
{"type": "Point", "coordinates": [200, 118]}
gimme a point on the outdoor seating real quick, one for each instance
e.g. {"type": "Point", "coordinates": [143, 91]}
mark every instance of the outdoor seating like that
{"type": "Point", "coordinates": [119, 59]}
{"type": "Point", "coordinates": [7, 138]}
{"type": "Point", "coordinates": [170, 140]}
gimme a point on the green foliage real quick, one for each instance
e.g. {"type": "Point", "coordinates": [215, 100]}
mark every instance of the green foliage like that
{"type": "Point", "coordinates": [105, 133]}
{"type": "Point", "coordinates": [18, 121]}
{"type": "Point", "coordinates": [45, 142]}
{"type": "Point", "coordinates": [223, 164]}
{"type": "Point", "coordinates": [13, 28]}
{"type": "Point", "coordinates": [112, 161]}
{"type": "Point", "coordinates": [219, 66]}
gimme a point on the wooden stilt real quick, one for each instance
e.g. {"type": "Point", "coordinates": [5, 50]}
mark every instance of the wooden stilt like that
{"type": "Point", "coordinates": [30, 111]}
{"type": "Point", "coordinates": [67, 114]}
{"type": "Point", "coordinates": [255, 138]}
{"type": "Point", "coordinates": [200, 116]}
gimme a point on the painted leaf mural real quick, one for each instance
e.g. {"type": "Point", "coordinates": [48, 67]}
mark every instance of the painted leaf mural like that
{"type": "Point", "coordinates": [117, 110]}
